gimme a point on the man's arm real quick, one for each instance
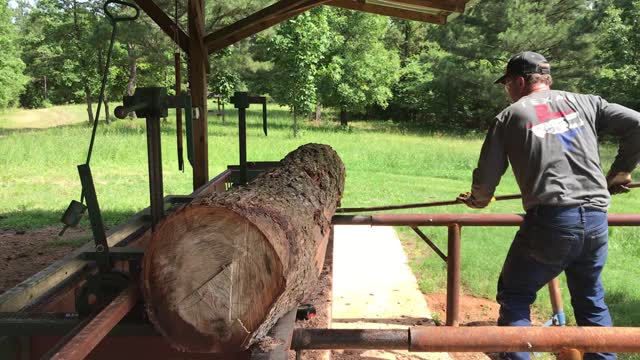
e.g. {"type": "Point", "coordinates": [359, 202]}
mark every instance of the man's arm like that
{"type": "Point", "coordinates": [623, 123]}
{"type": "Point", "coordinates": [492, 164]}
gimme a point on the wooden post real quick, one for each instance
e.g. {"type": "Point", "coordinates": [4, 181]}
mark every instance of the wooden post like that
{"type": "Point", "coordinates": [198, 85]}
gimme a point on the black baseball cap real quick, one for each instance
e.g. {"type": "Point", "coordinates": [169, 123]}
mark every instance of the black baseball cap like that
{"type": "Point", "coordinates": [527, 62]}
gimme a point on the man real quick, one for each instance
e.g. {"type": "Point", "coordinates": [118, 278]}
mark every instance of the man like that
{"type": "Point", "coordinates": [550, 139]}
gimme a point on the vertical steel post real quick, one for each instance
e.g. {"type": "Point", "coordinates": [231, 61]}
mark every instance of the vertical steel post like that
{"type": "Point", "coordinates": [453, 276]}
{"type": "Point", "coordinates": [156, 193]}
{"type": "Point", "coordinates": [177, 65]}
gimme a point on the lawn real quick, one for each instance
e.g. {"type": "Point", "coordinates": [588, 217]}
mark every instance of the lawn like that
{"type": "Point", "coordinates": [386, 164]}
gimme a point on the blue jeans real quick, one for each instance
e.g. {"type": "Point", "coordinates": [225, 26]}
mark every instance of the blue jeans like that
{"type": "Point", "coordinates": [552, 240]}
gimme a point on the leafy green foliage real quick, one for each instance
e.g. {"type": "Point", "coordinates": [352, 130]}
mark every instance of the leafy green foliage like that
{"type": "Point", "coordinates": [359, 70]}
{"type": "Point", "coordinates": [617, 75]}
{"type": "Point", "coordinates": [296, 49]}
{"type": "Point", "coordinates": [12, 79]}
{"type": "Point", "coordinates": [437, 77]}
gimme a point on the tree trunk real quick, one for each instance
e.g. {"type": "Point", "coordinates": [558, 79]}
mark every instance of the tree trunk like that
{"type": "Point", "coordinates": [87, 94]}
{"type": "Point", "coordinates": [107, 116]}
{"type": "Point", "coordinates": [318, 112]}
{"type": "Point", "coordinates": [343, 117]}
{"type": "Point", "coordinates": [221, 271]}
{"type": "Point", "coordinates": [133, 73]}
{"type": "Point", "coordinates": [295, 123]}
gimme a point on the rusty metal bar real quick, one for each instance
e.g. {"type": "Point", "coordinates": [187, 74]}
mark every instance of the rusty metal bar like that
{"type": "Point", "coordinates": [326, 339]}
{"type": "Point", "coordinates": [437, 203]}
{"type": "Point", "coordinates": [430, 243]}
{"type": "Point", "coordinates": [512, 339]}
{"type": "Point", "coordinates": [453, 276]}
{"type": "Point", "coordinates": [460, 219]}
{"type": "Point", "coordinates": [472, 339]}
{"type": "Point", "coordinates": [86, 340]}
{"type": "Point", "coordinates": [418, 205]}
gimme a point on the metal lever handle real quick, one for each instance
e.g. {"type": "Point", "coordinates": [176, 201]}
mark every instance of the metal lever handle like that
{"type": "Point", "coordinates": [121, 112]}
{"type": "Point", "coordinates": [115, 19]}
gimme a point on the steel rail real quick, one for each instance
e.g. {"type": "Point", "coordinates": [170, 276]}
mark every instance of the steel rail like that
{"type": "Point", "coordinates": [458, 219]}
{"type": "Point", "coordinates": [86, 340]}
{"type": "Point", "coordinates": [361, 339]}
{"type": "Point", "coordinates": [472, 339]}
{"type": "Point", "coordinates": [512, 339]}
{"type": "Point", "coordinates": [454, 222]}
{"type": "Point", "coordinates": [436, 203]}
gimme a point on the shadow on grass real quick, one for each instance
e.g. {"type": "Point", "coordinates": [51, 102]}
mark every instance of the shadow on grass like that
{"type": "Point", "coordinates": [22, 220]}
{"type": "Point", "coordinates": [625, 311]}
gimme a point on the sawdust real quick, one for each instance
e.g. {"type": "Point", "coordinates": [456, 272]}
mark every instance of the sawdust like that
{"type": "Point", "coordinates": [24, 253]}
{"type": "Point", "coordinates": [268, 343]}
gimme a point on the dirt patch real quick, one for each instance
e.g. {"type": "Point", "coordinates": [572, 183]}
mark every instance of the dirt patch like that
{"type": "Point", "coordinates": [24, 253]}
{"type": "Point", "coordinates": [473, 310]}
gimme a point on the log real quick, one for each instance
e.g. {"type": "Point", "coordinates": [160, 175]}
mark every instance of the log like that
{"type": "Point", "coordinates": [221, 271]}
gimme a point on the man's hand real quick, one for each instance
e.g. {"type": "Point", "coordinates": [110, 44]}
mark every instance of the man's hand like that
{"type": "Point", "coordinates": [470, 201]}
{"type": "Point", "coordinates": [616, 182]}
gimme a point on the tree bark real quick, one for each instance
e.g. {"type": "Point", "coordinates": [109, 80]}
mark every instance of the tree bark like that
{"type": "Point", "coordinates": [318, 112]}
{"type": "Point", "coordinates": [133, 73]}
{"type": "Point", "coordinates": [343, 117]}
{"type": "Point", "coordinates": [107, 115]}
{"type": "Point", "coordinates": [295, 123]}
{"type": "Point", "coordinates": [87, 94]}
{"type": "Point", "coordinates": [221, 271]}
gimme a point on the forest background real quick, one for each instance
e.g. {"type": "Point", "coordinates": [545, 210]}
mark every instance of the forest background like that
{"type": "Point", "coordinates": [360, 65]}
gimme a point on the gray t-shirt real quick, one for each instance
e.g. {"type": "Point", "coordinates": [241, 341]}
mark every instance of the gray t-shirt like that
{"type": "Point", "coordinates": [551, 140]}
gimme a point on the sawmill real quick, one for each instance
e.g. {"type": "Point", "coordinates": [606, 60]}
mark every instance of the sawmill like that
{"type": "Point", "coordinates": [224, 272]}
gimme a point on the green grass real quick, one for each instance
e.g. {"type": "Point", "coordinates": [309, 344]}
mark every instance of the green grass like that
{"type": "Point", "coordinates": [386, 164]}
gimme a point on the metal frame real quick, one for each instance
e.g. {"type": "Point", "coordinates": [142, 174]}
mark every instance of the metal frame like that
{"type": "Point", "coordinates": [455, 222]}
{"type": "Point", "coordinates": [473, 339]}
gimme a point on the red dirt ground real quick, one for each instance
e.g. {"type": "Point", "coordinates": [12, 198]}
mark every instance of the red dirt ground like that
{"type": "Point", "coordinates": [24, 253]}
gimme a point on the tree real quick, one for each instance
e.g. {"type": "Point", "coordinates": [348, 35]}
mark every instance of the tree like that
{"type": "Point", "coordinates": [358, 70]}
{"type": "Point", "coordinates": [617, 71]}
{"type": "Point", "coordinates": [12, 79]}
{"type": "Point", "coordinates": [295, 50]}
{"type": "Point", "coordinates": [449, 82]}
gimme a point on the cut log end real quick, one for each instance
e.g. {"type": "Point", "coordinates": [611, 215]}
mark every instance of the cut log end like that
{"type": "Point", "coordinates": [220, 272]}
{"type": "Point", "coordinates": [214, 307]}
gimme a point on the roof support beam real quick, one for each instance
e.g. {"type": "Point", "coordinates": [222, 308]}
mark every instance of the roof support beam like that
{"type": "Point", "coordinates": [261, 20]}
{"type": "Point", "coordinates": [445, 5]}
{"type": "Point", "coordinates": [198, 65]}
{"type": "Point", "coordinates": [165, 23]}
{"type": "Point", "coordinates": [388, 11]}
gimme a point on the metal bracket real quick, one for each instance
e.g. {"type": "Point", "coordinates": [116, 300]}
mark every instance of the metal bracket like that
{"type": "Point", "coordinates": [95, 217]}
{"type": "Point", "coordinates": [241, 101]}
{"type": "Point", "coordinates": [153, 103]}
